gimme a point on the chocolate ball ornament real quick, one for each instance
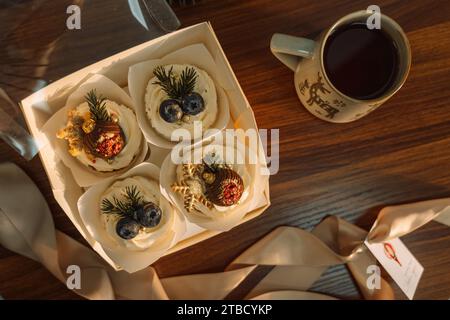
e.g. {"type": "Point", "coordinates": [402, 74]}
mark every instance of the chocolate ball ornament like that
{"type": "Point", "coordinates": [105, 141]}
{"type": "Point", "coordinates": [224, 186]}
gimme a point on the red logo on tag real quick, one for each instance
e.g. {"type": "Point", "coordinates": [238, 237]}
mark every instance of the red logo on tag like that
{"type": "Point", "coordinates": [389, 251]}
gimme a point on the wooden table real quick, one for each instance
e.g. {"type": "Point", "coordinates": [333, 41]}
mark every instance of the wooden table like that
{"type": "Point", "coordinates": [398, 154]}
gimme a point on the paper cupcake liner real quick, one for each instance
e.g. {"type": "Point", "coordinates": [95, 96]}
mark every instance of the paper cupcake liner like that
{"type": "Point", "coordinates": [84, 175]}
{"type": "Point", "coordinates": [123, 258]}
{"type": "Point", "coordinates": [140, 74]}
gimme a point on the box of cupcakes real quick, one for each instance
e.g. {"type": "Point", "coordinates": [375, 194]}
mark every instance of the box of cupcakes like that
{"type": "Point", "coordinates": [141, 148]}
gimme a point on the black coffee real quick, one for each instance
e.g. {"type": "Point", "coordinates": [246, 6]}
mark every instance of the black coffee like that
{"type": "Point", "coordinates": [361, 63]}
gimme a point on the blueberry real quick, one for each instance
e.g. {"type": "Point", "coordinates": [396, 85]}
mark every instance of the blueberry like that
{"type": "Point", "coordinates": [127, 228]}
{"type": "Point", "coordinates": [192, 104]}
{"type": "Point", "coordinates": [170, 110]}
{"type": "Point", "coordinates": [149, 215]}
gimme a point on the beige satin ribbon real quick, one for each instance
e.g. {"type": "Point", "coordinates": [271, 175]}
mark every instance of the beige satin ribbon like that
{"type": "Point", "coordinates": [298, 257]}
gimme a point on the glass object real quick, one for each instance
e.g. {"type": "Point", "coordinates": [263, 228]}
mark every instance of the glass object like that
{"type": "Point", "coordinates": [44, 40]}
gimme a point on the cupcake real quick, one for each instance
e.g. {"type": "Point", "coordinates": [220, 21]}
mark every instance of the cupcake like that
{"type": "Point", "coordinates": [129, 219]}
{"type": "Point", "coordinates": [131, 213]}
{"type": "Point", "coordinates": [212, 193]}
{"type": "Point", "coordinates": [177, 96]}
{"type": "Point", "coordinates": [95, 134]}
{"type": "Point", "coordinates": [182, 90]}
{"type": "Point", "coordinates": [101, 134]}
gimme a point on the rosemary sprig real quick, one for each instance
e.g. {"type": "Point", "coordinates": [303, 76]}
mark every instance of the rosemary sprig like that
{"type": "Point", "coordinates": [176, 88]}
{"type": "Point", "coordinates": [166, 80]}
{"type": "Point", "coordinates": [97, 106]}
{"type": "Point", "coordinates": [126, 207]}
{"type": "Point", "coordinates": [187, 81]}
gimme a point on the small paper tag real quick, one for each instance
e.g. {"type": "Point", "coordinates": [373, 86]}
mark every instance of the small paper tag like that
{"type": "Point", "coordinates": [399, 262]}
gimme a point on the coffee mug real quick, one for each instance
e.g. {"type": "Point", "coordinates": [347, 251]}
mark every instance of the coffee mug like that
{"type": "Point", "coordinates": [330, 75]}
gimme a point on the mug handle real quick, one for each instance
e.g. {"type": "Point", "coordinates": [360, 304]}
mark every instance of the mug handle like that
{"type": "Point", "coordinates": [289, 49]}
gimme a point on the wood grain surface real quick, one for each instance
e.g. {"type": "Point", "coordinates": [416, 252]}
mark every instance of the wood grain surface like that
{"type": "Point", "coordinates": [398, 154]}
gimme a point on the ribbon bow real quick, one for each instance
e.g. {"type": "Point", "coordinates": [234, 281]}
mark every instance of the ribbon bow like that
{"type": "Point", "coordinates": [298, 257]}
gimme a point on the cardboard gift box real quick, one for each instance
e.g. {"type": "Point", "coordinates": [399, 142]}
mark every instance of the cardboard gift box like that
{"type": "Point", "coordinates": [40, 106]}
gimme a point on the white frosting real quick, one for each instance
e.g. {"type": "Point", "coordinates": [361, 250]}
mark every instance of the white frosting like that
{"type": "Point", "coordinates": [149, 190]}
{"type": "Point", "coordinates": [133, 138]}
{"type": "Point", "coordinates": [221, 211]}
{"type": "Point", "coordinates": [155, 95]}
